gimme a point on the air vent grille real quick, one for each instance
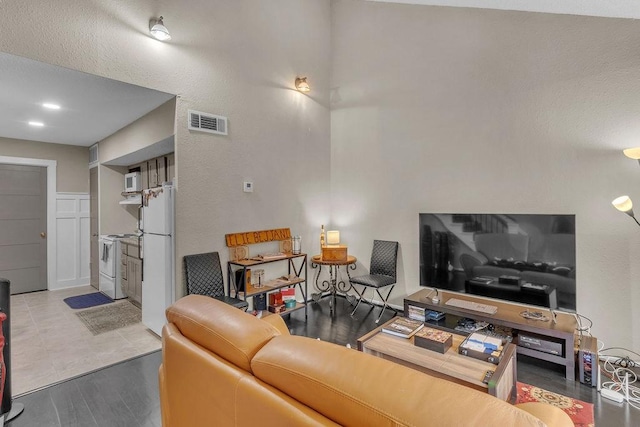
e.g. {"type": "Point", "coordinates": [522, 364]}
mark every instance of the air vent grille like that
{"type": "Point", "coordinates": [93, 155]}
{"type": "Point", "coordinates": [205, 122]}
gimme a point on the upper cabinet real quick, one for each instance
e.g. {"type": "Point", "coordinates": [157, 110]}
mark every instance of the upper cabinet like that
{"type": "Point", "coordinates": [155, 172]}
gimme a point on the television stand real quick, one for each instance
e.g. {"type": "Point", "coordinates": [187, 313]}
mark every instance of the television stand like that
{"type": "Point", "coordinates": [508, 316]}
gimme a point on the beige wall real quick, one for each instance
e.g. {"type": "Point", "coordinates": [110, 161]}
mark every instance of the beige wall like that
{"type": "Point", "coordinates": [233, 58]}
{"type": "Point", "coordinates": [114, 218]}
{"type": "Point", "coordinates": [151, 128]}
{"type": "Point", "coordinates": [466, 110]}
{"type": "Point", "coordinates": [72, 162]}
{"type": "Point", "coordinates": [138, 136]}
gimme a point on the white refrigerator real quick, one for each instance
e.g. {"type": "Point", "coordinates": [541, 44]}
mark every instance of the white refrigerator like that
{"type": "Point", "coordinates": [158, 270]}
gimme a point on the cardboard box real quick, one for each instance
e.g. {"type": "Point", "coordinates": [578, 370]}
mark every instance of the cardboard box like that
{"type": "Point", "coordinates": [277, 308]}
{"type": "Point", "coordinates": [288, 294]}
{"type": "Point", "coordinates": [275, 298]}
{"type": "Point", "coordinates": [334, 253]}
{"type": "Point", "coordinates": [433, 339]}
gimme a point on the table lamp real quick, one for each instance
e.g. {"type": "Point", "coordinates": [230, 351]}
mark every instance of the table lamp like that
{"type": "Point", "coordinates": [333, 237]}
{"type": "Point", "coordinates": [334, 251]}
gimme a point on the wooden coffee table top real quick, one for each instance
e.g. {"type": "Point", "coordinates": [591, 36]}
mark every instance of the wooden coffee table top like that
{"type": "Point", "coordinates": [451, 364]}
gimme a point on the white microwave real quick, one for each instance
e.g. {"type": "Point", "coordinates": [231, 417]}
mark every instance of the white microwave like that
{"type": "Point", "coordinates": [132, 182]}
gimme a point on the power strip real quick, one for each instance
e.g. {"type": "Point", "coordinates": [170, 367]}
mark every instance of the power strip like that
{"type": "Point", "coordinates": [612, 395]}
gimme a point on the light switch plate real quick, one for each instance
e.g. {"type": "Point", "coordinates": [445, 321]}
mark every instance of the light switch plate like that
{"type": "Point", "coordinates": [247, 187]}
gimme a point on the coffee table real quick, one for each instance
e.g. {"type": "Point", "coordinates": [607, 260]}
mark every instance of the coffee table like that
{"type": "Point", "coordinates": [450, 366]}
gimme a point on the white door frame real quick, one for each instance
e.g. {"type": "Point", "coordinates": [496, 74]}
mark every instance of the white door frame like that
{"type": "Point", "coordinates": [51, 166]}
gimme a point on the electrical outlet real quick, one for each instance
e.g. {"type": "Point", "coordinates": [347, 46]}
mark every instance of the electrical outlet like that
{"type": "Point", "coordinates": [247, 187]}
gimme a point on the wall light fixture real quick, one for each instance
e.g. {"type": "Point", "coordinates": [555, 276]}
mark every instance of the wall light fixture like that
{"type": "Point", "coordinates": [158, 30]}
{"type": "Point", "coordinates": [302, 85]}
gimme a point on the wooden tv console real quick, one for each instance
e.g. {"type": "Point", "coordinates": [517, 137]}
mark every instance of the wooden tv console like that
{"type": "Point", "coordinates": [508, 315]}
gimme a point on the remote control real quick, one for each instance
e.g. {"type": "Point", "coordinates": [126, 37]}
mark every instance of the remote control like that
{"type": "Point", "coordinates": [487, 377]}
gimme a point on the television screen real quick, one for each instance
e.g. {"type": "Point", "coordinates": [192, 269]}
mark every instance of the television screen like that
{"type": "Point", "coordinates": [523, 258]}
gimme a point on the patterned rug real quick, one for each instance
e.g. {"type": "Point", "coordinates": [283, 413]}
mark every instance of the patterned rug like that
{"type": "Point", "coordinates": [581, 413]}
{"type": "Point", "coordinates": [111, 317]}
{"type": "Point", "coordinates": [87, 300]}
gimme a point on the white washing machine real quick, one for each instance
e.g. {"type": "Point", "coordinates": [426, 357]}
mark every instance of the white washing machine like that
{"type": "Point", "coordinates": [110, 266]}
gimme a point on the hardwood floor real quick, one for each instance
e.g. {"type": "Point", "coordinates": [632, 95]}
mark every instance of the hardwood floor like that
{"type": "Point", "coordinates": [126, 394]}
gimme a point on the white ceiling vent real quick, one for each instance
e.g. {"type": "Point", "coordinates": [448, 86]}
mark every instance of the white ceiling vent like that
{"type": "Point", "coordinates": [93, 156]}
{"type": "Point", "coordinates": [205, 122]}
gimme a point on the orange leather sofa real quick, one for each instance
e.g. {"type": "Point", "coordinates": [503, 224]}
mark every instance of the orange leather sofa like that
{"type": "Point", "coordinates": [224, 367]}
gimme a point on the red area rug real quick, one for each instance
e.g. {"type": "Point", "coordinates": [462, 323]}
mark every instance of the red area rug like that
{"type": "Point", "coordinates": [581, 413]}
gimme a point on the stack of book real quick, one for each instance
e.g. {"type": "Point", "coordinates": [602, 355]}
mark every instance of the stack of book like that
{"type": "Point", "coordinates": [417, 313]}
{"type": "Point", "coordinates": [403, 327]}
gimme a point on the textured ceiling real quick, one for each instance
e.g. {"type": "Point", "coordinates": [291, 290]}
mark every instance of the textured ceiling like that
{"type": "Point", "coordinates": [92, 107]}
{"type": "Point", "coordinates": [604, 8]}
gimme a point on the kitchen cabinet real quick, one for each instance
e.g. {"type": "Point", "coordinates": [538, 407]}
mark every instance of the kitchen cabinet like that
{"type": "Point", "coordinates": [171, 166]}
{"type": "Point", "coordinates": [157, 171]}
{"type": "Point", "coordinates": [144, 175]}
{"type": "Point", "coordinates": [134, 268]}
{"type": "Point", "coordinates": [131, 280]}
{"type": "Point", "coordinates": [154, 172]}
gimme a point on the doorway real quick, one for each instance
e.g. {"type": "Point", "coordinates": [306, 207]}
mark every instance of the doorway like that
{"type": "Point", "coordinates": [25, 240]}
{"type": "Point", "coordinates": [93, 227]}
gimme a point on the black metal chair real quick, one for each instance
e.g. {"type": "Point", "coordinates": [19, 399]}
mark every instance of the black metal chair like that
{"type": "Point", "coordinates": [204, 277]}
{"type": "Point", "coordinates": [382, 273]}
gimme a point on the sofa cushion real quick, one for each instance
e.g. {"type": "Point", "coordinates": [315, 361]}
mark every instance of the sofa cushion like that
{"type": "Point", "coordinates": [352, 388]}
{"type": "Point", "coordinates": [231, 333]}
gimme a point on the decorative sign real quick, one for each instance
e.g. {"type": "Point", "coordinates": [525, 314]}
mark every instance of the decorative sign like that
{"type": "Point", "coordinates": [253, 237]}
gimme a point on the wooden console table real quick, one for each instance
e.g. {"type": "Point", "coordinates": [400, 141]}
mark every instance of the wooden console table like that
{"type": "Point", "coordinates": [508, 315]}
{"type": "Point", "coordinates": [450, 366]}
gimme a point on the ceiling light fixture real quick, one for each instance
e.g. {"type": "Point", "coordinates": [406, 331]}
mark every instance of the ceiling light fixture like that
{"type": "Point", "coordinates": [158, 30]}
{"type": "Point", "coordinates": [36, 124]}
{"type": "Point", "coordinates": [302, 85]}
{"type": "Point", "coordinates": [51, 106]}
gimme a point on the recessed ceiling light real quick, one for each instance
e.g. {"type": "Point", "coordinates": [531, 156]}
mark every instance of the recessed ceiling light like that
{"type": "Point", "coordinates": [37, 124]}
{"type": "Point", "coordinates": [51, 106]}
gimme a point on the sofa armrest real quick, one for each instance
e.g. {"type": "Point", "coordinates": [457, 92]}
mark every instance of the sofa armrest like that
{"type": "Point", "coordinates": [551, 415]}
{"type": "Point", "coordinates": [277, 321]}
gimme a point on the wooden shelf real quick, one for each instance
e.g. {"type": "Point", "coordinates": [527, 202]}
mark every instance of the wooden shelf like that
{"type": "Point", "coordinates": [273, 285]}
{"type": "Point", "coordinates": [251, 262]}
{"type": "Point", "coordinates": [298, 271]}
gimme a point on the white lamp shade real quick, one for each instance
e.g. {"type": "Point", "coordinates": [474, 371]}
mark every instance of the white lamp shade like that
{"type": "Point", "coordinates": [632, 153]}
{"type": "Point", "coordinates": [333, 237]}
{"type": "Point", "coordinates": [623, 204]}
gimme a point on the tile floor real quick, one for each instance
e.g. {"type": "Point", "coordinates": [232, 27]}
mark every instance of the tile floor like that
{"type": "Point", "coordinates": [50, 343]}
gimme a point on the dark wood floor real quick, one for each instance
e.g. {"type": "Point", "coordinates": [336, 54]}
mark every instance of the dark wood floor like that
{"type": "Point", "coordinates": [126, 394]}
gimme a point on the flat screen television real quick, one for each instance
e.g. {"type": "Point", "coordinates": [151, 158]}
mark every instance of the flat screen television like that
{"type": "Point", "coordinates": [523, 258]}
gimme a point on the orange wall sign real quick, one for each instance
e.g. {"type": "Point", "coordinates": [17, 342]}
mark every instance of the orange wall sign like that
{"type": "Point", "coordinates": [252, 237]}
